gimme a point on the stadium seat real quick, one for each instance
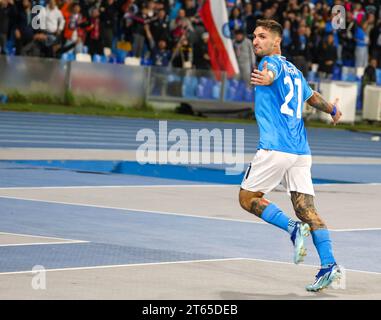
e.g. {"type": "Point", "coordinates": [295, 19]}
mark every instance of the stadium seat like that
{"type": "Point", "coordinates": [146, 62]}
{"type": "Point", "coordinates": [230, 93]}
{"type": "Point", "coordinates": [189, 87]}
{"type": "Point", "coordinates": [10, 48]}
{"type": "Point", "coordinates": [107, 51]}
{"type": "Point", "coordinates": [124, 45]}
{"type": "Point", "coordinates": [360, 72]}
{"type": "Point", "coordinates": [336, 72]}
{"type": "Point", "coordinates": [205, 88]}
{"type": "Point", "coordinates": [378, 77]}
{"type": "Point", "coordinates": [83, 57]}
{"type": "Point", "coordinates": [348, 74]}
{"type": "Point", "coordinates": [249, 94]}
{"type": "Point", "coordinates": [120, 55]}
{"type": "Point", "coordinates": [216, 91]}
{"type": "Point", "coordinates": [97, 58]}
{"type": "Point", "coordinates": [3, 98]}
{"type": "Point", "coordinates": [68, 56]}
{"type": "Point", "coordinates": [132, 61]}
{"type": "Point", "coordinates": [240, 92]}
{"type": "Point", "coordinates": [112, 59]}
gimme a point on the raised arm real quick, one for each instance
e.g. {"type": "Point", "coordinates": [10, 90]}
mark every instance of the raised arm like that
{"type": "Point", "coordinates": [318, 102]}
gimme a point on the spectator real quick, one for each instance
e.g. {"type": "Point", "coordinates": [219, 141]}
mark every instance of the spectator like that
{"type": "Point", "coordinates": [94, 38]}
{"type": "Point", "coordinates": [108, 21]}
{"type": "Point", "coordinates": [362, 41]}
{"type": "Point", "coordinates": [235, 20]}
{"type": "Point", "coordinates": [358, 13]}
{"type": "Point", "coordinates": [130, 10]}
{"type": "Point", "coordinates": [139, 33]}
{"type": "Point", "coordinates": [201, 55]}
{"type": "Point", "coordinates": [7, 12]}
{"type": "Point", "coordinates": [24, 32]}
{"type": "Point", "coordinates": [306, 25]}
{"type": "Point", "coordinates": [151, 9]}
{"type": "Point", "coordinates": [180, 26]}
{"type": "Point", "coordinates": [161, 56]}
{"type": "Point", "coordinates": [55, 24]}
{"type": "Point", "coordinates": [243, 48]}
{"type": "Point", "coordinates": [190, 8]}
{"type": "Point", "coordinates": [347, 42]}
{"type": "Point", "coordinates": [74, 32]}
{"type": "Point", "coordinates": [375, 41]}
{"type": "Point", "coordinates": [249, 19]}
{"type": "Point", "coordinates": [327, 56]}
{"type": "Point", "coordinates": [300, 50]}
{"type": "Point", "coordinates": [369, 76]}
{"type": "Point", "coordinates": [38, 46]}
{"type": "Point", "coordinates": [258, 13]}
{"type": "Point", "coordinates": [286, 39]}
{"type": "Point", "coordinates": [160, 26]}
{"type": "Point", "coordinates": [183, 54]}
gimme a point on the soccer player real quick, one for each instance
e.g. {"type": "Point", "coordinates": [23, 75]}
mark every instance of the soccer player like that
{"type": "Point", "coordinates": [283, 154]}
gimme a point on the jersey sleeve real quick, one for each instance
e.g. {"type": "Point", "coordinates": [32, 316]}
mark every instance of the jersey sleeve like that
{"type": "Point", "coordinates": [306, 89]}
{"type": "Point", "coordinates": [272, 64]}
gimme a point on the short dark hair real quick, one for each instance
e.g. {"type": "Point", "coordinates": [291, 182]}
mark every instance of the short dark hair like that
{"type": "Point", "coordinates": [271, 25]}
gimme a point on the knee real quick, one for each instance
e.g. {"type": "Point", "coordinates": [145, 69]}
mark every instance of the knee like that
{"type": "Point", "coordinates": [248, 198]}
{"type": "Point", "coordinates": [244, 199]}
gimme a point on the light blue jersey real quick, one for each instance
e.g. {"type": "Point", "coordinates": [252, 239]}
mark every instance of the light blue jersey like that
{"type": "Point", "coordinates": [279, 106]}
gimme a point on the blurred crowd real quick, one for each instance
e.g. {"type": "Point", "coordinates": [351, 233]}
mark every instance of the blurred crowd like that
{"type": "Point", "coordinates": [170, 32]}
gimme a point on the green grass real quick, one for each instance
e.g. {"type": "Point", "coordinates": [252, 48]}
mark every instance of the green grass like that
{"type": "Point", "coordinates": [112, 110]}
{"type": "Point", "coordinates": [115, 110]}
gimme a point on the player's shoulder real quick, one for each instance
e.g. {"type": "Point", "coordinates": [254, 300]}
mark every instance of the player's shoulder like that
{"type": "Point", "coordinates": [271, 59]}
{"type": "Point", "coordinates": [273, 63]}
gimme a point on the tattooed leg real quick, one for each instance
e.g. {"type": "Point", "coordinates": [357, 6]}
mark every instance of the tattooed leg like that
{"type": "Point", "coordinates": [305, 210]}
{"type": "Point", "coordinates": [253, 202]}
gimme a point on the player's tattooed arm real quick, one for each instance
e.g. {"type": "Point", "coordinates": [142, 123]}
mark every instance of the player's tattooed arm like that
{"type": "Point", "coordinates": [318, 102]}
{"type": "Point", "coordinates": [305, 210]}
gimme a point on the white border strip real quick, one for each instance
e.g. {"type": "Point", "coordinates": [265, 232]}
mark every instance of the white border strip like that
{"type": "Point", "coordinates": [178, 262]}
{"type": "Point", "coordinates": [129, 186]}
{"type": "Point", "coordinates": [168, 213]}
{"type": "Point", "coordinates": [309, 265]}
{"type": "Point", "coordinates": [125, 265]}
{"type": "Point", "coordinates": [37, 236]}
{"type": "Point", "coordinates": [132, 209]}
{"type": "Point", "coordinates": [40, 243]}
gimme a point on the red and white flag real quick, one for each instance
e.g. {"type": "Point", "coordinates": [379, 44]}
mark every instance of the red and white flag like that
{"type": "Point", "coordinates": [220, 46]}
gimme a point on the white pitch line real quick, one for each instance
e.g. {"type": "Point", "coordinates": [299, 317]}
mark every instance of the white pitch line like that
{"type": "Point", "coordinates": [131, 209]}
{"type": "Point", "coordinates": [125, 265]}
{"type": "Point", "coordinates": [172, 186]}
{"type": "Point", "coordinates": [363, 229]}
{"type": "Point", "coordinates": [41, 243]}
{"type": "Point", "coordinates": [165, 213]}
{"type": "Point", "coordinates": [309, 265]}
{"type": "Point", "coordinates": [129, 186]}
{"type": "Point", "coordinates": [37, 236]}
{"type": "Point", "coordinates": [178, 262]}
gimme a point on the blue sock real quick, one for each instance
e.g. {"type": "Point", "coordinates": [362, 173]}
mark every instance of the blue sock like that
{"type": "Point", "coordinates": [272, 214]}
{"type": "Point", "coordinates": [323, 246]}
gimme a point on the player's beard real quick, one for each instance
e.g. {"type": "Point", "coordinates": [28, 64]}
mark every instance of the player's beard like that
{"type": "Point", "coordinates": [260, 53]}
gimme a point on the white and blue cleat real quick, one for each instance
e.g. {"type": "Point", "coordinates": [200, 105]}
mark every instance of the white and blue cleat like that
{"type": "Point", "coordinates": [325, 277]}
{"type": "Point", "coordinates": [300, 232]}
